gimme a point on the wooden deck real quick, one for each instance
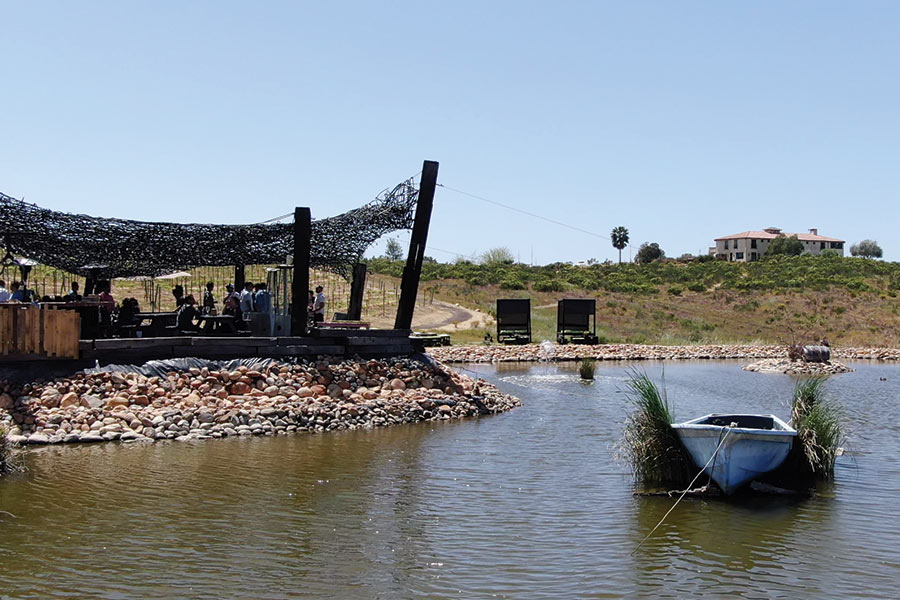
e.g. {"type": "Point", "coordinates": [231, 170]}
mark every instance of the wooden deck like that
{"type": "Point", "coordinates": [368, 343]}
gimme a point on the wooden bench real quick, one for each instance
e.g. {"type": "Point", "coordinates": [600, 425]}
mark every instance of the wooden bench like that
{"type": "Point", "coordinates": [343, 325]}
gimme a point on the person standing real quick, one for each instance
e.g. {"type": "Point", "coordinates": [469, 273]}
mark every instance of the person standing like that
{"type": "Point", "coordinates": [4, 293]}
{"type": "Point", "coordinates": [247, 298]}
{"type": "Point", "coordinates": [107, 307]}
{"type": "Point", "coordinates": [262, 302]}
{"type": "Point", "coordinates": [178, 293]}
{"type": "Point", "coordinates": [209, 301]}
{"type": "Point", "coordinates": [319, 306]}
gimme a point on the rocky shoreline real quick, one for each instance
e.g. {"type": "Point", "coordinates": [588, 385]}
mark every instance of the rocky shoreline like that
{"type": "Point", "coordinates": [797, 367]}
{"type": "Point", "coordinates": [557, 352]}
{"type": "Point", "coordinates": [310, 396]}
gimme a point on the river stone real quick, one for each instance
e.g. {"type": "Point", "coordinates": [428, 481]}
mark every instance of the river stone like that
{"type": "Point", "coordinates": [72, 438]}
{"type": "Point", "coordinates": [116, 401]}
{"type": "Point", "coordinates": [92, 436]}
{"type": "Point", "coordinates": [89, 401]}
{"type": "Point", "coordinates": [397, 384]}
{"type": "Point", "coordinates": [69, 399]}
{"type": "Point", "coordinates": [38, 438]}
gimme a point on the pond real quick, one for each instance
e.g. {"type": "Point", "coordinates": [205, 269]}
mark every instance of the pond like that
{"type": "Point", "coordinates": [528, 504]}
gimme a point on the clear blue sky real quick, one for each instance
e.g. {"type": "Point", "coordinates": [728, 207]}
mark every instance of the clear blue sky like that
{"type": "Point", "coordinates": [682, 121]}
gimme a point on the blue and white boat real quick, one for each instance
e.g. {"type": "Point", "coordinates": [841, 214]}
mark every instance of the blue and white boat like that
{"type": "Point", "coordinates": [753, 445]}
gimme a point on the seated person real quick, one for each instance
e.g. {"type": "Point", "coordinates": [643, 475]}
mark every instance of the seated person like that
{"type": "Point", "coordinates": [127, 311]}
{"type": "Point", "coordinates": [73, 296]}
{"type": "Point", "coordinates": [186, 315]}
{"type": "Point", "coordinates": [17, 294]}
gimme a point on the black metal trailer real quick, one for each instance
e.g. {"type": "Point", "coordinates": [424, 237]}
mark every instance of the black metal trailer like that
{"type": "Point", "coordinates": [576, 321]}
{"type": "Point", "coordinates": [514, 321]}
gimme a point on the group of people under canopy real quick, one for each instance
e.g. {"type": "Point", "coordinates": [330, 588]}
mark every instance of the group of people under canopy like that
{"type": "Point", "coordinates": [118, 319]}
{"type": "Point", "coordinates": [254, 298]}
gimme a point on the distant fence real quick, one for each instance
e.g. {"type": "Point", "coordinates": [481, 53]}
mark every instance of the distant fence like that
{"type": "Point", "coordinates": [27, 330]}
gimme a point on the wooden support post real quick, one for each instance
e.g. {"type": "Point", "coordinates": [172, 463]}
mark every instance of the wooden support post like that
{"type": "Point", "coordinates": [300, 280]}
{"type": "Point", "coordinates": [357, 289]}
{"type": "Point", "coordinates": [239, 278]}
{"type": "Point", "coordinates": [409, 285]}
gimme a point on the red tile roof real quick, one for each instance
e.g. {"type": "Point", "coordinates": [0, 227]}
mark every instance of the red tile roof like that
{"type": "Point", "coordinates": [765, 235]}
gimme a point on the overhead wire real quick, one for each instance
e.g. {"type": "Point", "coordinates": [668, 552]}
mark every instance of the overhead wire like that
{"type": "Point", "coordinates": [524, 212]}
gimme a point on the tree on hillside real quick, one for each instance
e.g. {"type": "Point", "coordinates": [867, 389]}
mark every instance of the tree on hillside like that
{"type": "Point", "coordinates": [785, 246]}
{"type": "Point", "coordinates": [393, 250]}
{"type": "Point", "coordinates": [648, 253]}
{"type": "Point", "coordinates": [866, 249]}
{"type": "Point", "coordinates": [498, 256]}
{"type": "Point", "coordinates": [619, 238]}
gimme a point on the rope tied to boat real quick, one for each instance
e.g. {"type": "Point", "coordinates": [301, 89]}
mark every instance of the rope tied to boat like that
{"type": "Point", "coordinates": [712, 458]}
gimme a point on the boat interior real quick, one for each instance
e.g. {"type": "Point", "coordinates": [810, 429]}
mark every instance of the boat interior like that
{"type": "Point", "coordinates": [743, 421]}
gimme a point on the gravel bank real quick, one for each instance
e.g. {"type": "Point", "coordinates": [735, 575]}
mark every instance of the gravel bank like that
{"type": "Point", "coordinates": [551, 351]}
{"type": "Point", "coordinates": [784, 365]}
{"type": "Point", "coordinates": [202, 404]}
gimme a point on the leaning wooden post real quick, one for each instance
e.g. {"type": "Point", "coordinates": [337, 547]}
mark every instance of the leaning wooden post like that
{"type": "Point", "coordinates": [239, 278]}
{"type": "Point", "coordinates": [409, 286]}
{"type": "Point", "coordinates": [357, 289]}
{"type": "Point", "coordinates": [300, 279]}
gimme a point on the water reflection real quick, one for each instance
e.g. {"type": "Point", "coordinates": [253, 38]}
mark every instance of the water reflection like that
{"type": "Point", "coordinates": [530, 504]}
{"type": "Point", "coordinates": [722, 543]}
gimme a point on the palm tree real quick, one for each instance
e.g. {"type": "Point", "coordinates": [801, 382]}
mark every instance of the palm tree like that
{"type": "Point", "coordinates": [619, 238]}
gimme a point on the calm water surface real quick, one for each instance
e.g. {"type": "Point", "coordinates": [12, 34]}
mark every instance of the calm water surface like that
{"type": "Point", "coordinates": [530, 504]}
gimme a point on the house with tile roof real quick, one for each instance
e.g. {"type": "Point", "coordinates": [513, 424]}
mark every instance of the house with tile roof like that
{"type": "Point", "coordinates": [751, 245]}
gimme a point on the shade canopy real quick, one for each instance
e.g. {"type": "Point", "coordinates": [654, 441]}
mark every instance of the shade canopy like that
{"type": "Point", "coordinates": [125, 248]}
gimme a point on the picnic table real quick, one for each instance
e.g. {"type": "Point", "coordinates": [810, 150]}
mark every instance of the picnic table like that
{"type": "Point", "coordinates": [221, 324]}
{"type": "Point", "coordinates": [159, 321]}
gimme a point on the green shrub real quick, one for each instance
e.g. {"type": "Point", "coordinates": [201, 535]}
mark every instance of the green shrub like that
{"type": "Point", "coordinates": [674, 291]}
{"type": "Point", "coordinates": [512, 282]}
{"type": "Point", "coordinates": [548, 285]}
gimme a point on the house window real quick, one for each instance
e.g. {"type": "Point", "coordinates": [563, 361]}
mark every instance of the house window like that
{"type": "Point", "coordinates": [753, 243]}
{"type": "Point", "coordinates": [822, 246]}
{"type": "Point", "coordinates": [739, 256]}
{"type": "Point", "coordinates": [735, 244]}
{"type": "Point", "coordinates": [726, 244]}
{"type": "Point", "coordinates": [837, 245]}
{"type": "Point", "coordinates": [754, 256]}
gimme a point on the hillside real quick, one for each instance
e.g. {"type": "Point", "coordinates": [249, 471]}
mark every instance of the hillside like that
{"type": "Point", "coordinates": [851, 301]}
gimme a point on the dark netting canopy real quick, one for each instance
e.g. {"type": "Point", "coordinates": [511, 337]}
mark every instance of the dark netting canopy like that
{"type": "Point", "coordinates": [123, 248]}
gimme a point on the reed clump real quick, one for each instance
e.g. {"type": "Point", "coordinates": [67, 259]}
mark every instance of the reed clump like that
{"type": "Point", "coordinates": [8, 454]}
{"type": "Point", "coordinates": [586, 368]}
{"type": "Point", "coordinates": [650, 443]}
{"type": "Point", "coordinates": [819, 424]}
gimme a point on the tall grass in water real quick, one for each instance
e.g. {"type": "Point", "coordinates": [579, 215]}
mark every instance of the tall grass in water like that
{"type": "Point", "coordinates": [586, 368]}
{"type": "Point", "coordinates": [819, 424]}
{"type": "Point", "coordinates": [650, 444]}
{"type": "Point", "coordinates": [8, 462]}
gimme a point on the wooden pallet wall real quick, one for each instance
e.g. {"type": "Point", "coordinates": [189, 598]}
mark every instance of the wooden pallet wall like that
{"type": "Point", "coordinates": [27, 330]}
